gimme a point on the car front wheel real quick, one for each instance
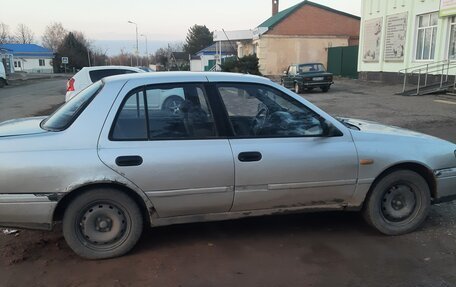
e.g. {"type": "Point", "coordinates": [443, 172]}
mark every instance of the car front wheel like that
{"type": "Point", "coordinates": [399, 203]}
{"type": "Point", "coordinates": [102, 223]}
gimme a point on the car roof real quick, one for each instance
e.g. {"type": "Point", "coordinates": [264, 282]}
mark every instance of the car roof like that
{"type": "Point", "coordinates": [187, 76]}
{"type": "Point", "coordinates": [302, 64]}
{"type": "Point", "coordinates": [97, 68]}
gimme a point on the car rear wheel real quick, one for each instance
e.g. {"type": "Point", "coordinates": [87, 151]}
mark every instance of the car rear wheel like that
{"type": "Point", "coordinates": [325, 89]}
{"type": "Point", "coordinates": [102, 223]}
{"type": "Point", "coordinates": [399, 203]}
{"type": "Point", "coordinates": [297, 88]}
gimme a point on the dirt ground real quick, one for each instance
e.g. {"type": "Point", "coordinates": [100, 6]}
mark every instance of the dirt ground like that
{"type": "Point", "coordinates": [321, 249]}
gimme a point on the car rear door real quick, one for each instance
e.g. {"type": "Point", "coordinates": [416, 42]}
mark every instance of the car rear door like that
{"type": "Point", "coordinates": [282, 158]}
{"type": "Point", "coordinates": [175, 156]}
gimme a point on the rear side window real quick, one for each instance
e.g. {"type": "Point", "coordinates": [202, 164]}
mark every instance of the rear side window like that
{"type": "Point", "coordinates": [179, 111]}
{"type": "Point", "coordinates": [97, 75]}
{"type": "Point", "coordinates": [131, 121]}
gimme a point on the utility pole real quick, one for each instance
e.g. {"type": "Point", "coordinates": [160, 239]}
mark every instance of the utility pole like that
{"type": "Point", "coordinates": [137, 42]}
{"type": "Point", "coordinates": [147, 51]}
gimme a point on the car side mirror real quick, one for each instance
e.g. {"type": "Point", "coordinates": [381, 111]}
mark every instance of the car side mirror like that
{"type": "Point", "coordinates": [329, 130]}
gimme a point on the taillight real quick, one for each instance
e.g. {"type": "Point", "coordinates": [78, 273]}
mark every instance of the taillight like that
{"type": "Point", "coordinates": [70, 85]}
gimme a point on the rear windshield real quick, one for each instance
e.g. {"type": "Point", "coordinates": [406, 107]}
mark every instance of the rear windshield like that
{"type": "Point", "coordinates": [311, 68]}
{"type": "Point", "coordinates": [97, 75]}
{"type": "Point", "coordinates": [66, 114]}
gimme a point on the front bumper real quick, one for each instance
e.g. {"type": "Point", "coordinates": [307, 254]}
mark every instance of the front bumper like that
{"type": "Point", "coordinates": [26, 211]}
{"type": "Point", "coordinates": [446, 184]}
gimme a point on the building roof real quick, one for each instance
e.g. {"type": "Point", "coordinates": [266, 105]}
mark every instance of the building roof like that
{"type": "Point", "coordinates": [28, 50]}
{"type": "Point", "coordinates": [282, 15]}
{"type": "Point", "coordinates": [228, 48]}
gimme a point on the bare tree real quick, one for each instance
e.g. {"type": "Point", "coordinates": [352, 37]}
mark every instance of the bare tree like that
{"type": "Point", "coordinates": [54, 35]}
{"type": "Point", "coordinates": [5, 35]}
{"type": "Point", "coordinates": [24, 34]}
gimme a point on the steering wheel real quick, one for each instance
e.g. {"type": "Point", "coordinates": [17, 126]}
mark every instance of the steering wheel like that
{"type": "Point", "coordinates": [259, 120]}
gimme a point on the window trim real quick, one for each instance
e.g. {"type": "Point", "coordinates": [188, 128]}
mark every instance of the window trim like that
{"type": "Point", "coordinates": [448, 48]}
{"type": "Point", "coordinates": [433, 36]}
{"type": "Point", "coordinates": [143, 88]}
{"type": "Point", "coordinates": [285, 96]}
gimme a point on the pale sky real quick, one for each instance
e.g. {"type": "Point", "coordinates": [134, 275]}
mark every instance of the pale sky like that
{"type": "Point", "coordinates": [160, 20]}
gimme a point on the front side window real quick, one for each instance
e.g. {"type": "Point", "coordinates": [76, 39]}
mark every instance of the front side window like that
{"type": "Point", "coordinates": [261, 111]}
{"type": "Point", "coordinates": [165, 112]}
{"type": "Point", "coordinates": [65, 115]}
{"type": "Point", "coordinates": [426, 36]}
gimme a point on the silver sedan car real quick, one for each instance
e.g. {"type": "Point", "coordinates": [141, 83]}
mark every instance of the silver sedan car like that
{"type": "Point", "coordinates": [107, 163]}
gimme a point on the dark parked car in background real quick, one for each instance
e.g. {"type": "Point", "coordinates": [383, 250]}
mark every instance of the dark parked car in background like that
{"type": "Point", "coordinates": [306, 77]}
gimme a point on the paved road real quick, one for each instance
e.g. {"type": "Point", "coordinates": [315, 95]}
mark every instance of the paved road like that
{"type": "Point", "coordinates": [31, 97]}
{"type": "Point", "coordinates": [325, 249]}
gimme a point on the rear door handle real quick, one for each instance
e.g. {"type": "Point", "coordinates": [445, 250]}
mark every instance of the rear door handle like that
{"type": "Point", "coordinates": [250, 156]}
{"type": "Point", "coordinates": [131, 160]}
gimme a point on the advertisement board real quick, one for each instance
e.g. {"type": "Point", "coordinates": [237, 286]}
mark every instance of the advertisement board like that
{"type": "Point", "coordinates": [447, 8]}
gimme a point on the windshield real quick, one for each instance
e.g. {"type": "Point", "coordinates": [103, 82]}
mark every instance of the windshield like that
{"type": "Point", "coordinates": [66, 114]}
{"type": "Point", "coordinates": [311, 68]}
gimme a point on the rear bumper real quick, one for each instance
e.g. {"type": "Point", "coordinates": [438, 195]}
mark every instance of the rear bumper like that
{"type": "Point", "coordinates": [26, 211]}
{"type": "Point", "coordinates": [446, 184]}
{"type": "Point", "coordinates": [317, 84]}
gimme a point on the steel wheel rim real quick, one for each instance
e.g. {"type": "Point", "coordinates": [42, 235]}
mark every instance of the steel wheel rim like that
{"type": "Point", "coordinates": [103, 226]}
{"type": "Point", "coordinates": [399, 203]}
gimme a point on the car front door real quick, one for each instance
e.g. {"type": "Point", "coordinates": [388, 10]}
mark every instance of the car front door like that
{"type": "Point", "coordinates": [288, 78]}
{"type": "Point", "coordinates": [174, 155]}
{"type": "Point", "coordinates": [283, 159]}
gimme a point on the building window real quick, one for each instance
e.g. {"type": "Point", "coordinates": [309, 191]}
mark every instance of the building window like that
{"type": "Point", "coordinates": [42, 63]}
{"type": "Point", "coordinates": [426, 36]}
{"type": "Point", "coordinates": [452, 48]}
{"type": "Point", "coordinates": [15, 64]}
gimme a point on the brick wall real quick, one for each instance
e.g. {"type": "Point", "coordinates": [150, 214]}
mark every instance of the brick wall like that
{"type": "Point", "coordinates": [310, 20]}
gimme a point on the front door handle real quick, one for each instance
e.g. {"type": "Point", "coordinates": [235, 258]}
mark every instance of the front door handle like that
{"type": "Point", "coordinates": [250, 156]}
{"type": "Point", "coordinates": [131, 160]}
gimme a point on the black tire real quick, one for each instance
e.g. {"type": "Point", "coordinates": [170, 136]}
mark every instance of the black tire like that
{"type": "Point", "coordinates": [325, 89]}
{"type": "Point", "coordinates": [108, 209]}
{"type": "Point", "coordinates": [172, 103]}
{"type": "Point", "coordinates": [297, 88]}
{"type": "Point", "coordinates": [309, 89]}
{"type": "Point", "coordinates": [398, 203]}
{"type": "Point", "coordinates": [2, 83]}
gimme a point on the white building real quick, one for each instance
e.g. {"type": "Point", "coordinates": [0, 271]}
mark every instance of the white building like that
{"type": "Point", "coordinates": [406, 34]}
{"type": "Point", "coordinates": [30, 58]}
{"type": "Point", "coordinates": [210, 58]}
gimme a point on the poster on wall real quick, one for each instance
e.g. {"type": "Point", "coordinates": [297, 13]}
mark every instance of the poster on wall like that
{"type": "Point", "coordinates": [396, 32]}
{"type": "Point", "coordinates": [372, 40]}
{"type": "Point", "coordinates": [447, 8]}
